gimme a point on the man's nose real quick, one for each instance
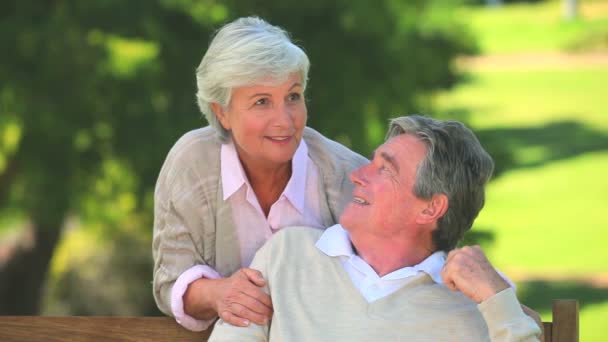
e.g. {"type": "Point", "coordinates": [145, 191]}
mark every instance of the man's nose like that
{"type": "Point", "coordinates": [358, 176]}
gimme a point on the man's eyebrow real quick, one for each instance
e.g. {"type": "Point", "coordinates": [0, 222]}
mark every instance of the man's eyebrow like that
{"type": "Point", "coordinates": [391, 160]}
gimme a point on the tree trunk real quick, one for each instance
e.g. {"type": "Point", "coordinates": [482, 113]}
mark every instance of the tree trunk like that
{"type": "Point", "coordinates": [570, 9]}
{"type": "Point", "coordinates": [23, 275]}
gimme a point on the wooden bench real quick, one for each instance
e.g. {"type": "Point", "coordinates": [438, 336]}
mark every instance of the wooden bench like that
{"type": "Point", "coordinates": [563, 328]}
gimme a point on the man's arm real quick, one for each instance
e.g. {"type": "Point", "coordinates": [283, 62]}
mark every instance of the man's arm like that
{"type": "Point", "coordinates": [468, 270]}
{"type": "Point", "coordinates": [224, 331]}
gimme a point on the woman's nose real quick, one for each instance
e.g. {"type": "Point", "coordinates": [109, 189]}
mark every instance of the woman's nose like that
{"type": "Point", "coordinates": [284, 117]}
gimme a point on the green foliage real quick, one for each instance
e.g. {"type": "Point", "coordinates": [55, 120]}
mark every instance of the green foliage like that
{"type": "Point", "coordinates": [97, 92]}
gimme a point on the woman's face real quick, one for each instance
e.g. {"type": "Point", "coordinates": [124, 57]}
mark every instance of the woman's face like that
{"type": "Point", "coordinates": [265, 121]}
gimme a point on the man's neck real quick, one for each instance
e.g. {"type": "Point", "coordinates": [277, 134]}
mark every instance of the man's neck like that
{"type": "Point", "coordinates": [388, 255]}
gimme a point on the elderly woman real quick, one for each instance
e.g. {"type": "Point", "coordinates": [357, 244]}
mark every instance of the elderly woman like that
{"type": "Point", "coordinates": [225, 189]}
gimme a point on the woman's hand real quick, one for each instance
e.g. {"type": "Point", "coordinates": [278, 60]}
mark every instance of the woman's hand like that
{"type": "Point", "coordinates": [237, 299]}
{"type": "Point", "coordinates": [240, 299]}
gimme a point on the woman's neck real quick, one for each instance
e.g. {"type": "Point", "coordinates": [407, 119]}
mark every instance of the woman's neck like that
{"type": "Point", "coordinates": [268, 183]}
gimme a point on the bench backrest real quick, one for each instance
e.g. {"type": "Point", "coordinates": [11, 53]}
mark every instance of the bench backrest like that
{"type": "Point", "coordinates": [564, 327]}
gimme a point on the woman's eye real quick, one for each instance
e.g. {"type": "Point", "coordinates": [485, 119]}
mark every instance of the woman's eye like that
{"type": "Point", "coordinates": [261, 102]}
{"type": "Point", "coordinates": [294, 96]}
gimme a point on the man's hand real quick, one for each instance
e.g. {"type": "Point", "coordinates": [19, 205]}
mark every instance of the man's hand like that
{"type": "Point", "coordinates": [468, 270]}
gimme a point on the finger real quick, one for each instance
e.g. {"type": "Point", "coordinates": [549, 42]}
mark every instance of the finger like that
{"type": "Point", "coordinates": [255, 276]}
{"type": "Point", "coordinates": [451, 255]}
{"type": "Point", "coordinates": [446, 277]}
{"type": "Point", "coordinates": [255, 300]}
{"type": "Point", "coordinates": [246, 313]}
{"type": "Point", "coordinates": [233, 319]}
{"type": "Point", "coordinates": [254, 293]}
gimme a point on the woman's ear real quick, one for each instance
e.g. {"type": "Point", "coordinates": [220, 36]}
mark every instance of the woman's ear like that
{"type": "Point", "coordinates": [221, 115]}
{"type": "Point", "coordinates": [435, 208]}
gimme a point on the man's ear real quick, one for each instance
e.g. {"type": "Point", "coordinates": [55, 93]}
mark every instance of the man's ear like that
{"type": "Point", "coordinates": [220, 114]}
{"type": "Point", "coordinates": [435, 208]}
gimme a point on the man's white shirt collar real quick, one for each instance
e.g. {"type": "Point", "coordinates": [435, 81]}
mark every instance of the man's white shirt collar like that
{"type": "Point", "coordinates": [335, 242]}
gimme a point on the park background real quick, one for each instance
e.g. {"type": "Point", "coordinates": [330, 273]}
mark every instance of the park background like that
{"type": "Point", "coordinates": [93, 95]}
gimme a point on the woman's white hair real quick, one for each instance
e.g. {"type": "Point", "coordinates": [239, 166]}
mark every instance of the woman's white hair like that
{"type": "Point", "coordinates": [245, 52]}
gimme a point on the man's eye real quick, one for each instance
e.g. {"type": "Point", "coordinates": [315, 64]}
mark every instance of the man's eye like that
{"type": "Point", "coordinates": [387, 169]}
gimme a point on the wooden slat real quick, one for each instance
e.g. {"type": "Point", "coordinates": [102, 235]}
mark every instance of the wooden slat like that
{"type": "Point", "coordinates": [565, 320]}
{"type": "Point", "coordinates": [547, 334]}
{"type": "Point", "coordinates": [564, 327]}
{"type": "Point", "coordinates": [81, 328]}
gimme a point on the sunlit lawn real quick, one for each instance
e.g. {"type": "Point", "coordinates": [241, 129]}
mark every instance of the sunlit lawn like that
{"type": "Point", "coordinates": [551, 219]}
{"type": "Point", "coordinates": [536, 27]}
{"type": "Point", "coordinates": [548, 213]}
{"type": "Point", "coordinates": [533, 97]}
{"type": "Point", "coordinates": [593, 323]}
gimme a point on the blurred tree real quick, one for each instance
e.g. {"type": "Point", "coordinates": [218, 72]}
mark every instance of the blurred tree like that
{"type": "Point", "coordinates": [107, 87]}
{"type": "Point", "coordinates": [570, 9]}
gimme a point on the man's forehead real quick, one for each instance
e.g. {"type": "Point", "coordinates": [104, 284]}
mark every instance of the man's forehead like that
{"type": "Point", "coordinates": [400, 147]}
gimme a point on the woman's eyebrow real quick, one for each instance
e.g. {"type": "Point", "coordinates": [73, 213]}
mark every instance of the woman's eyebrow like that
{"type": "Point", "coordinates": [295, 85]}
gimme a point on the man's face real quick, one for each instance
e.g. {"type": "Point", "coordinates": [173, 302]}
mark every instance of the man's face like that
{"type": "Point", "coordinates": [383, 204]}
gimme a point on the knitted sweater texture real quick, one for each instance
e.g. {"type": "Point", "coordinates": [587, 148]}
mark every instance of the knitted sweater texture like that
{"type": "Point", "coordinates": [315, 300]}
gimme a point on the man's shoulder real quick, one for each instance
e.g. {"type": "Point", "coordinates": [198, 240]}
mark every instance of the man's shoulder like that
{"type": "Point", "coordinates": [298, 234]}
{"type": "Point", "coordinates": [294, 241]}
{"type": "Point", "coordinates": [438, 297]}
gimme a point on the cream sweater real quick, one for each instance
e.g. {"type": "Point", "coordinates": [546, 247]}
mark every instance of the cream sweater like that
{"type": "Point", "coordinates": [315, 300]}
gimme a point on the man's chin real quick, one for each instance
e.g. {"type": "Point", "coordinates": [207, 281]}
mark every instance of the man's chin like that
{"type": "Point", "coordinates": [347, 218]}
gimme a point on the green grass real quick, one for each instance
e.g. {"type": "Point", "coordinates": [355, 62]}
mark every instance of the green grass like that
{"type": "Point", "coordinates": [532, 97]}
{"type": "Point", "coordinates": [593, 323]}
{"type": "Point", "coordinates": [549, 219]}
{"type": "Point", "coordinates": [547, 212]}
{"type": "Point", "coordinates": [534, 27]}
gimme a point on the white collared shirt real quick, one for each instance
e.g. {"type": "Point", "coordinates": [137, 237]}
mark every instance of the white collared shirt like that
{"type": "Point", "coordinates": [298, 205]}
{"type": "Point", "coordinates": [335, 242]}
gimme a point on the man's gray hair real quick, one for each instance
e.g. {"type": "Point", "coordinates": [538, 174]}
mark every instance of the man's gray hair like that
{"type": "Point", "coordinates": [455, 165]}
{"type": "Point", "coordinates": [245, 52]}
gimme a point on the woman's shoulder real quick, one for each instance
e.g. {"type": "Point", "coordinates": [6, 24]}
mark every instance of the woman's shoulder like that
{"type": "Point", "coordinates": [196, 153]}
{"type": "Point", "coordinates": [198, 145]}
{"type": "Point", "coordinates": [196, 141]}
{"type": "Point", "coordinates": [329, 154]}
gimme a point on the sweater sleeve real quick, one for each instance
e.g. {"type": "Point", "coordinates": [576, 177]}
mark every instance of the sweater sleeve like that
{"type": "Point", "coordinates": [180, 209]}
{"type": "Point", "coordinates": [506, 320]}
{"type": "Point", "coordinates": [254, 333]}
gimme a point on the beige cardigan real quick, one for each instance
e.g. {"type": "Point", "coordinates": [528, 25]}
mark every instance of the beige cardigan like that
{"type": "Point", "coordinates": [193, 224]}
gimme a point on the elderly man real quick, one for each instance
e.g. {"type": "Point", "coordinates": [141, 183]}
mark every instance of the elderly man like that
{"type": "Point", "coordinates": [382, 273]}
